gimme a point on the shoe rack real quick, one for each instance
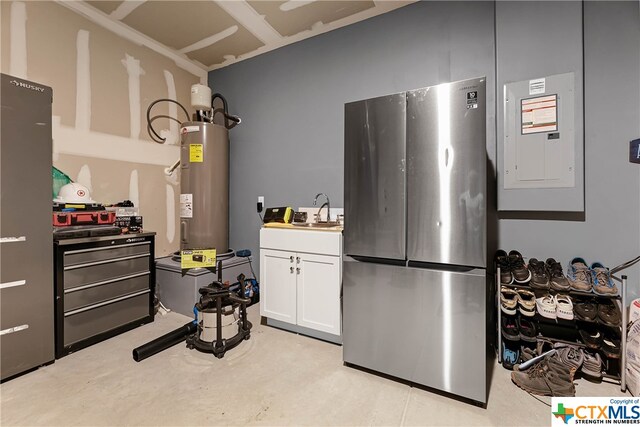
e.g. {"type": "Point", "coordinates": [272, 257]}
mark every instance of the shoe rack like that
{"type": "Point", "coordinates": [571, 326]}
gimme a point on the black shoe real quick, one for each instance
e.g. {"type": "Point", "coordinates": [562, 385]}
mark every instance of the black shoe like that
{"type": "Point", "coordinates": [557, 279]}
{"type": "Point", "coordinates": [521, 273]}
{"type": "Point", "coordinates": [501, 260]}
{"type": "Point", "coordinates": [526, 329]}
{"type": "Point", "coordinates": [510, 354]}
{"type": "Point", "coordinates": [609, 314]}
{"type": "Point", "coordinates": [539, 274]}
{"type": "Point", "coordinates": [510, 328]}
{"type": "Point", "coordinates": [586, 311]}
{"type": "Point", "coordinates": [611, 346]}
{"type": "Point", "coordinates": [591, 337]}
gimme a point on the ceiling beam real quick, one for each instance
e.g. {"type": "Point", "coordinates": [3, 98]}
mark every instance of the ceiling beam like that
{"type": "Point", "coordinates": [208, 41]}
{"type": "Point", "coordinates": [294, 4]}
{"type": "Point", "coordinates": [134, 36]}
{"type": "Point", "coordinates": [125, 8]}
{"type": "Point", "coordinates": [247, 16]}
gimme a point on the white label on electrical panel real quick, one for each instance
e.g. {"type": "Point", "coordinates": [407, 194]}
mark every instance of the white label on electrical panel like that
{"type": "Point", "coordinates": [186, 206]}
{"type": "Point", "coordinates": [537, 86]}
{"type": "Point", "coordinates": [188, 129]}
{"type": "Point", "coordinates": [14, 329]}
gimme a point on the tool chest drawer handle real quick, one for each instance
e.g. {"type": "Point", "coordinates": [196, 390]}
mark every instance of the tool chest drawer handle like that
{"type": "Point", "coordinates": [106, 282]}
{"type": "Point", "coordinates": [105, 248]}
{"type": "Point", "coordinates": [101, 304]}
{"type": "Point", "coordinates": [106, 261]}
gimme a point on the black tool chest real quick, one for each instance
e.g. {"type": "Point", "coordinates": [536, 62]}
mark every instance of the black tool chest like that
{"type": "Point", "coordinates": [104, 286]}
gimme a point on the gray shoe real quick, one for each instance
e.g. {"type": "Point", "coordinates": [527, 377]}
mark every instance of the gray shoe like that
{"type": "Point", "coordinates": [557, 278]}
{"type": "Point", "coordinates": [579, 275]}
{"type": "Point", "coordinates": [570, 356]}
{"type": "Point", "coordinates": [548, 378]}
{"type": "Point", "coordinates": [592, 365]}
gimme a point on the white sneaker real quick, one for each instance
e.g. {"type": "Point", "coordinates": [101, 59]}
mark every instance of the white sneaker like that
{"type": "Point", "coordinates": [564, 307]}
{"type": "Point", "coordinates": [547, 306]}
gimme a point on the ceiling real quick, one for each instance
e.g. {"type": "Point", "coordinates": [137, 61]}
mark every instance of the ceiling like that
{"type": "Point", "coordinates": [214, 33]}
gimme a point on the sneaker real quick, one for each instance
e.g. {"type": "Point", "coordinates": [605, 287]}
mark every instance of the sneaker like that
{"type": "Point", "coordinates": [539, 274]}
{"type": "Point", "coordinates": [521, 273]}
{"type": "Point", "coordinates": [510, 355]}
{"type": "Point", "coordinates": [587, 311]}
{"type": "Point", "coordinates": [611, 346]}
{"type": "Point", "coordinates": [592, 365]}
{"type": "Point", "coordinates": [557, 279]}
{"type": "Point", "coordinates": [510, 328]}
{"type": "Point", "coordinates": [547, 306]}
{"type": "Point", "coordinates": [601, 279]}
{"type": "Point", "coordinates": [570, 356]}
{"type": "Point", "coordinates": [591, 336]}
{"type": "Point", "coordinates": [579, 275]}
{"type": "Point", "coordinates": [609, 314]}
{"type": "Point", "coordinates": [526, 302]}
{"type": "Point", "coordinates": [564, 307]}
{"type": "Point", "coordinates": [508, 300]}
{"type": "Point", "coordinates": [501, 260]}
{"type": "Point", "coordinates": [547, 378]}
{"type": "Point", "coordinates": [526, 354]}
{"type": "Point", "coordinates": [526, 329]}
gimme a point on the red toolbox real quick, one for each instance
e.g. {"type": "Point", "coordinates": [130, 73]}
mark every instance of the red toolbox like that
{"type": "Point", "coordinates": [61, 219]}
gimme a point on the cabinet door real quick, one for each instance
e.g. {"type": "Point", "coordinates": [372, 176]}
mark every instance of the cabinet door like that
{"type": "Point", "coordinates": [319, 292]}
{"type": "Point", "coordinates": [278, 285]}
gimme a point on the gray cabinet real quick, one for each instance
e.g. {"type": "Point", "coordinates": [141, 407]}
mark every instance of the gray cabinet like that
{"type": "Point", "coordinates": [104, 286]}
{"type": "Point", "coordinates": [26, 268]}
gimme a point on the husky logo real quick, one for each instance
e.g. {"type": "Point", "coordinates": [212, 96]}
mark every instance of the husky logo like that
{"type": "Point", "coordinates": [135, 239]}
{"type": "Point", "coordinates": [26, 85]}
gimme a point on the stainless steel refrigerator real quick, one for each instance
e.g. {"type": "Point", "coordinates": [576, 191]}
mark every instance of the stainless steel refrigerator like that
{"type": "Point", "coordinates": [415, 284]}
{"type": "Point", "coordinates": [26, 244]}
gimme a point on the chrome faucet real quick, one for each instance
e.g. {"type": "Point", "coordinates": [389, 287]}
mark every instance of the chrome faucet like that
{"type": "Point", "coordinates": [327, 204]}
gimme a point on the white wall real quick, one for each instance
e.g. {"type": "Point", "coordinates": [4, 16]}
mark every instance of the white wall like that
{"type": "Point", "coordinates": [102, 85]}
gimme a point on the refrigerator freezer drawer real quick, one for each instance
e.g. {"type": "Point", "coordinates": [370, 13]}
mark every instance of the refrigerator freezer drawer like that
{"type": "Point", "coordinates": [424, 326]}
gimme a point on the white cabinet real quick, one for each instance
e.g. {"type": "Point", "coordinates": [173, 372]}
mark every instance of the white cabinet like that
{"type": "Point", "coordinates": [299, 289]}
{"type": "Point", "coordinates": [278, 285]}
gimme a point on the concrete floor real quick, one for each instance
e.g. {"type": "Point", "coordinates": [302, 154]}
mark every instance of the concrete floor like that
{"type": "Point", "coordinates": [275, 378]}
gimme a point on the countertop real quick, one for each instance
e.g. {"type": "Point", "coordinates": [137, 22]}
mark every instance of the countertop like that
{"type": "Point", "coordinates": [337, 228]}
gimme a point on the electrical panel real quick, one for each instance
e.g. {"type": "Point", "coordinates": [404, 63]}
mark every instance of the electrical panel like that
{"type": "Point", "coordinates": [539, 147]}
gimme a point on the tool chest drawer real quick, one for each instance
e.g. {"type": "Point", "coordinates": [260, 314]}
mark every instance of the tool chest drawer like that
{"type": "Point", "coordinates": [89, 322]}
{"type": "Point", "coordinates": [93, 293]}
{"type": "Point", "coordinates": [84, 256]}
{"type": "Point", "coordinates": [97, 271]}
{"type": "Point", "coordinates": [104, 286]}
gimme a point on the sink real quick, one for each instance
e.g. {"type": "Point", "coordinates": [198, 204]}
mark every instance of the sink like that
{"type": "Point", "coordinates": [317, 224]}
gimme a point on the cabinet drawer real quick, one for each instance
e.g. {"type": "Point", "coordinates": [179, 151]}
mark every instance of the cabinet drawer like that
{"type": "Point", "coordinates": [313, 242]}
{"type": "Point", "coordinates": [94, 293]}
{"type": "Point", "coordinates": [98, 271]}
{"type": "Point", "coordinates": [85, 323]}
{"type": "Point", "coordinates": [82, 256]}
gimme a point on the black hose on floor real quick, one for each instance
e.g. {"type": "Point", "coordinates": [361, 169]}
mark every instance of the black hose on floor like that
{"type": "Point", "coordinates": [164, 342]}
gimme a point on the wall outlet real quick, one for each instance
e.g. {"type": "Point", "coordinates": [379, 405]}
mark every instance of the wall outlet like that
{"type": "Point", "coordinates": [260, 205]}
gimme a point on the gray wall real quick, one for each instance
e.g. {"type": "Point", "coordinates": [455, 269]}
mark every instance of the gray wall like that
{"type": "Point", "coordinates": [535, 39]}
{"type": "Point", "coordinates": [290, 144]}
{"type": "Point", "coordinates": [609, 230]}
